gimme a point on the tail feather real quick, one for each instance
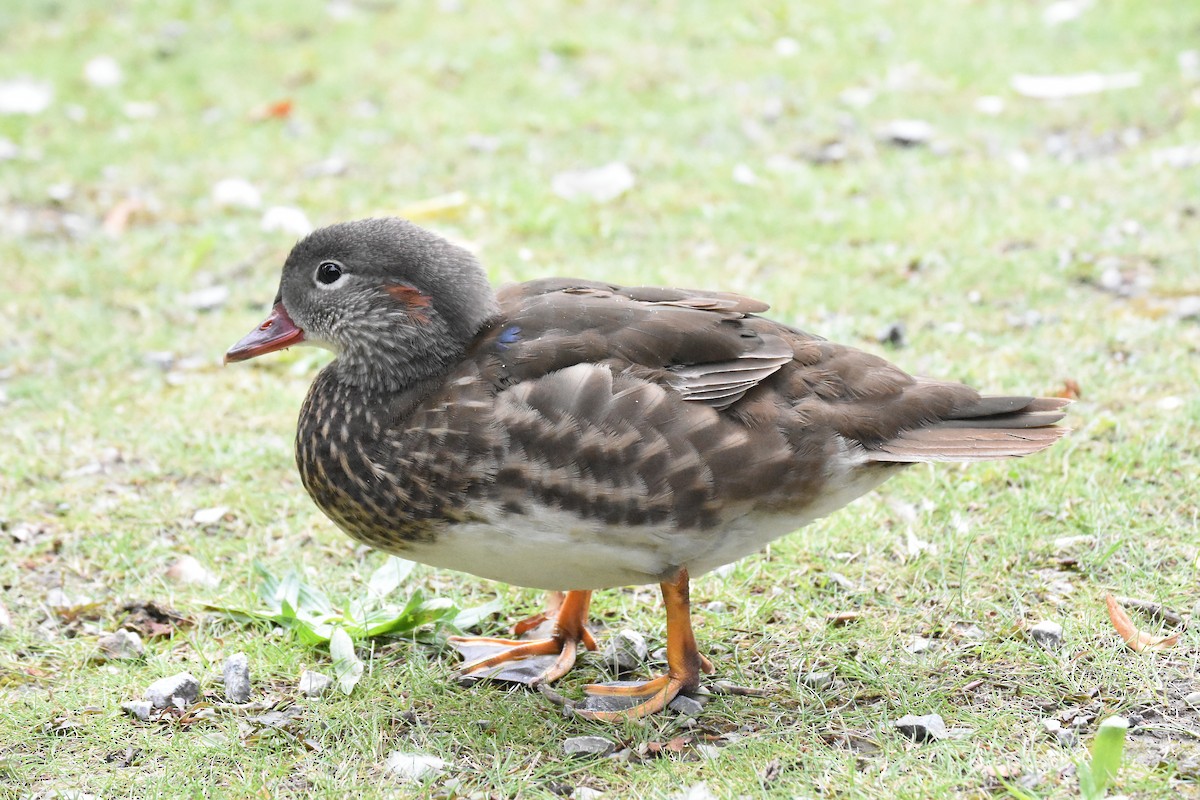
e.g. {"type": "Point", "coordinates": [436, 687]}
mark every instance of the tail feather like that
{"type": "Point", "coordinates": [993, 428]}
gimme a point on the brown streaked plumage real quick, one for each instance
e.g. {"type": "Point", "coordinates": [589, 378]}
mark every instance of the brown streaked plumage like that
{"type": "Point", "coordinates": [576, 435]}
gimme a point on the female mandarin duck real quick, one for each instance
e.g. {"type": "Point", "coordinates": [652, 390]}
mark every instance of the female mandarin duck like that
{"type": "Point", "coordinates": [574, 435]}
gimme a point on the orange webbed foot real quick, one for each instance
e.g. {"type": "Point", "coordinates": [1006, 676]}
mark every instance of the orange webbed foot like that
{"type": "Point", "coordinates": [535, 661]}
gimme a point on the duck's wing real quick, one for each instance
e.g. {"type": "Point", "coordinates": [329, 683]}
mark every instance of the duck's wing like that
{"type": "Point", "coordinates": [762, 377]}
{"type": "Point", "coordinates": [695, 342]}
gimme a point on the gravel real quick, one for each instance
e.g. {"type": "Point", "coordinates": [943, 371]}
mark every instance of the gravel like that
{"type": "Point", "coordinates": [588, 746]}
{"type": "Point", "coordinates": [237, 678]}
{"type": "Point", "coordinates": [176, 690]}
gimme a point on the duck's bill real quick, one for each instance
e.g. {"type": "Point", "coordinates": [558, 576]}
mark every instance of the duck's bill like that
{"type": "Point", "coordinates": [275, 333]}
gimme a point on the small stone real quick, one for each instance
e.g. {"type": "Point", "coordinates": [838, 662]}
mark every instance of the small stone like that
{"type": "Point", "coordinates": [210, 516]}
{"type": "Point", "coordinates": [57, 598]}
{"type": "Point", "coordinates": [1188, 307]}
{"type": "Point", "coordinates": [919, 644]}
{"type": "Point", "coordinates": [586, 793]}
{"type": "Point", "coordinates": [1189, 64]}
{"type": "Point", "coordinates": [744, 175]}
{"type": "Point", "coordinates": [601, 184]}
{"type": "Point", "coordinates": [187, 569]}
{"type": "Point", "coordinates": [686, 706]}
{"type": "Point", "coordinates": [236, 672]}
{"type": "Point", "coordinates": [208, 299]}
{"type": "Point", "coordinates": [413, 766]}
{"type": "Point", "coordinates": [1063, 11]}
{"type": "Point", "coordinates": [856, 97]}
{"type": "Point", "coordinates": [927, 728]}
{"type": "Point", "coordinates": [894, 334]}
{"type": "Point", "coordinates": [103, 72]}
{"type": "Point", "coordinates": [907, 132]}
{"type": "Point", "coordinates": [135, 109]}
{"type": "Point", "coordinates": [1064, 736]}
{"type": "Point", "coordinates": [138, 708]}
{"type": "Point", "coordinates": [588, 746]}
{"type": "Point", "coordinates": [626, 651]}
{"type": "Point", "coordinates": [817, 680]}
{"type": "Point", "coordinates": [1048, 634]}
{"type": "Point", "coordinates": [178, 690]}
{"type": "Point", "coordinates": [786, 47]}
{"type": "Point", "coordinates": [989, 104]}
{"type": "Point", "coordinates": [1068, 542]}
{"type": "Point", "coordinates": [286, 219]}
{"type": "Point", "coordinates": [1192, 699]}
{"type": "Point", "coordinates": [25, 96]}
{"type": "Point", "coordinates": [314, 684]}
{"type": "Point", "coordinates": [697, 791]}
{"type": "Point", "coordinates": [5, 618]}
{"type": "Point", "coordinates": [121, 646]}
{"type": "Point", "coordinates": [236, 193]}
{"type": "Point", "coordinates": [716, 607]}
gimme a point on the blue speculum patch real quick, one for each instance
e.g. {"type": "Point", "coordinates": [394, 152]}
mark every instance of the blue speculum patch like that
{"type": "Point", "coordinates": [507, 336]}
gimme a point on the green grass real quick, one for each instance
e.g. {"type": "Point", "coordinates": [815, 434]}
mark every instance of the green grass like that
{"type": "Point", "coordinates": [992, 247]}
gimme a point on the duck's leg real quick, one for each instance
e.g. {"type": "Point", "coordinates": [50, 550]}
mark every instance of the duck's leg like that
{"type": "Point", "coordinates": [684, 665]}
{"type": "Point", "coordinates": [537, 660]}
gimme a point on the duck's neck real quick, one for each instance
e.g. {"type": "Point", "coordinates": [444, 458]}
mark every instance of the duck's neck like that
{"type": "Point", "coordinates": [392, 361]}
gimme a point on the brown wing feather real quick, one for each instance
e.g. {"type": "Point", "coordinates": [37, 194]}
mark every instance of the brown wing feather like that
{"type": "Point", "coordinates": [713, 351]}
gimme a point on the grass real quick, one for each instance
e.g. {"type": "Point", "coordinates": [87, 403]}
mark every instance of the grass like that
{"type": "Point", "coordinates": [994, 245]}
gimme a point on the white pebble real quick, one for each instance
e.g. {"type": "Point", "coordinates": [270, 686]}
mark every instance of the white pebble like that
{"type": "Point", "coordinates": [103, 72]}
{"type": "Point", "coordinates": [286, 219]}
{"type": "Point", "coordinates": [601, 184]}
{"type": "Point", "coordinates": [236, 193]}
{"type": "Point", "coordinates": [25, 96]}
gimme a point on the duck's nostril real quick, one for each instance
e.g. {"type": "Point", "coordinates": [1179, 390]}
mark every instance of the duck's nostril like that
{"type": "Point", "coordinates": [266, 324]}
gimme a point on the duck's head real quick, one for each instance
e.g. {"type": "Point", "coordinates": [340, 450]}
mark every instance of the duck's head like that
{"type": "Point", "coordinates": [396, 303]}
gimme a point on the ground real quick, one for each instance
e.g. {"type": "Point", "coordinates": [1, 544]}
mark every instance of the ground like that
{"type": "Point", "coordinates": [1018, 242]}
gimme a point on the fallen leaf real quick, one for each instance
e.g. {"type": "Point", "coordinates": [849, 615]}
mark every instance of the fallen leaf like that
{"type": "Point", "coordinates": [1070, 390]}
{"type": "Point", "coordinates": [1135, 639]}
{"type": "Point", "coordinates": [441, 207]}
{"type": "Point", "coordinates": [152, 620]}
{"type": "Point", "coordinates": [280, 109]}
{"type": "Point", "coordinates": [346, 664]}
{"type": "Point", "coordinates": [117, 220]}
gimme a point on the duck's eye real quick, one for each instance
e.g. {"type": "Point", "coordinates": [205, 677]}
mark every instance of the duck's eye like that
{"type": "Point", "coordinates": [329, 272]}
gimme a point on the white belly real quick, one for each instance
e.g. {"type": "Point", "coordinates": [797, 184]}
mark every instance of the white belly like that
{"type": "Point", "coordinates": [552, 549]}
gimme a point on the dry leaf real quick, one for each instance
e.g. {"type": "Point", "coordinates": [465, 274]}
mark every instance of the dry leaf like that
{"type": "Point", "coordinates": [1070, 390]}
{"type": "Point", "coordinates": [1135, 639]}
{"type": "Point", "coordinates": [118, 218]}
{"type": "Point", "coordinates": [280, 109]}
{"type": "Point", "coordinates": [441, 207]}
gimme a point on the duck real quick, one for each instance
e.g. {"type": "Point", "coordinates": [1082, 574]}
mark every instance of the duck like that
{"type": "Point", "coordinates": [576, 435]}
